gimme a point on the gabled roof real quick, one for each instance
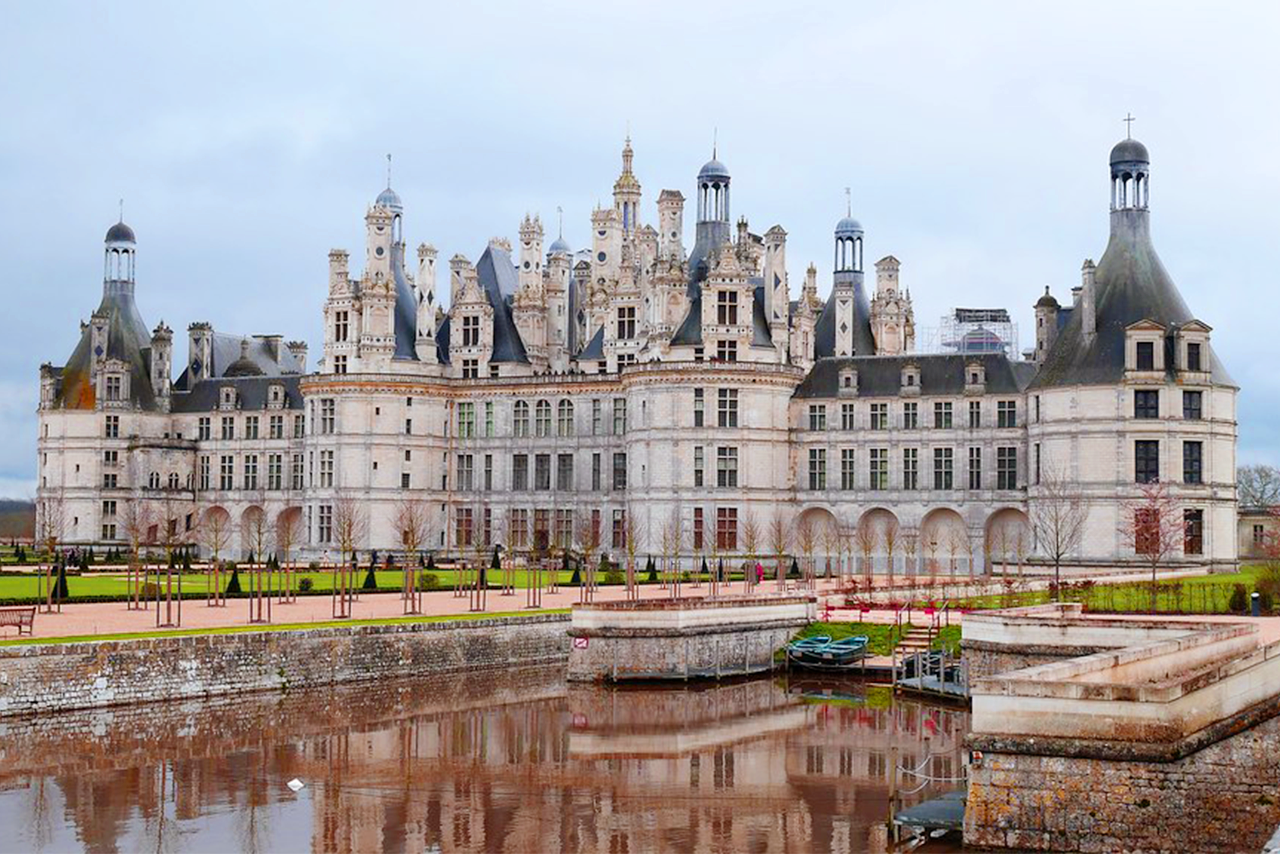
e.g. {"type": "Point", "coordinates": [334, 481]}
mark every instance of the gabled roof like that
{"type": "Point", "coordinates": [499, 281]}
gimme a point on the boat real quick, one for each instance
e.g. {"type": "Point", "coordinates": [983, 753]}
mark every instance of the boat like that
{"type": "Point", "coordinates": [822, 653]}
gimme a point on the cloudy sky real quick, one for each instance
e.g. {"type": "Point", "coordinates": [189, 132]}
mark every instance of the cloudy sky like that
{"type": "Point", "coordinates": [247, 139]}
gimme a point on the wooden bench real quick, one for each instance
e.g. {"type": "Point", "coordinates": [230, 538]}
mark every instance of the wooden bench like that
{"type": "Point", "coordinates": [23, 618]}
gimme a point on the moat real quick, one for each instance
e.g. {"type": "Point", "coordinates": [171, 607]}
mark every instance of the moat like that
{"type": "Point", "coordinates": [516, 761]}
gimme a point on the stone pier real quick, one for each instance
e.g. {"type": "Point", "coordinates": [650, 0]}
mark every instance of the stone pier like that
{"type": "Point", "coordinates": [684, 638]}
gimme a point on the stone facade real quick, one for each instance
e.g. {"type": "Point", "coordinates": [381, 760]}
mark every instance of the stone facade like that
{"type": "Point", "coordinates": [1225, 797]}
{"type": "Point", "coordinates": [55, 677]}
{"type": "Point", "coordinates": [637, 389]}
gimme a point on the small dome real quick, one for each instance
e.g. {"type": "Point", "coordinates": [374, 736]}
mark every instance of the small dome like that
{"type": "Point", "coordinates": [560, 245]}
{"type": "Point", "coordinates": [1046, 301]}
{"type": "Point", "coordinates": [1129, 151]}
{"type": "Point", "coordinates": [389, 199]}
{"type": "Point", "coordinates": [120, 233]}
{"type": "Point", "coordinates": [713, 169]}
{"type": "Point", "coordinates": [848, 225]}
{"type": "Point", "coordinates": [244, 366]}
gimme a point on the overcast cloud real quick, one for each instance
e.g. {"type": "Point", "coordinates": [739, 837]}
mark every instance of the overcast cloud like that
{"type": "Point", "coordinates": [247, 140]}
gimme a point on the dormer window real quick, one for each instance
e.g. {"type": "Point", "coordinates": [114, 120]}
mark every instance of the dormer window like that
{"type": "Point", "coordinates": [1146, 358]}
{"type": "Point", "coordinates": [275, 396]}
{"type": "Point", "coordinates": [1192, 341]}
{"type": "Point", "coordinates": [848, 382]}
{"type": "Point", "coordinates": [975, 378]}
{"type": "Point", "coordinates": [1144, 347]}
{"type": "Point", "coordinates": [1193, 356]}
{"type": "Point", "coordinates": [909, 381]}
{"type": "Point", "coordinates": [227, 399]}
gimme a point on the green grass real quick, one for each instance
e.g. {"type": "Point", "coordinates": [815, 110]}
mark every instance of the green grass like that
{"type": "Point", "coordinates": [273, 627]}
{"type": "Point", "coordinates": [1201, 594]}
{"type": "Point", "coordinates": [881, 638]}
{"type": "Point", "coordinates": [947, 638]}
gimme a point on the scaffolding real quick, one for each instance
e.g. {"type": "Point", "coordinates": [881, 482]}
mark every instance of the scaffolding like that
{"type": "Point", "coordinates": [974, 331]}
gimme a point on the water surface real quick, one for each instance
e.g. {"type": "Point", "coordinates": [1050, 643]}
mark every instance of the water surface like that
{"type": "Point", "coordinates": [511, 762]}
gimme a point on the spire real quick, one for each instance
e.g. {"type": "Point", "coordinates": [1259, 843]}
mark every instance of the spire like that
{"type": "Point", "coordinates": [388, 171]}
{"type": "Point", "coordinates": [626, 156]}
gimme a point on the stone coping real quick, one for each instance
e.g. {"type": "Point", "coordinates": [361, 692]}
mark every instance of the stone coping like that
{"type": "Point", "coordinates": [162, 639]}
{"type": "Point", "coordinates": [672, 618]}
{"type": "Point", "coordinates": [738, 600]}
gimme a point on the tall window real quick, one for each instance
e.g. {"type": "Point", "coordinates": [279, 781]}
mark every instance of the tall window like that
{"type": "Point", "coordinates": [275, 471]}
{"type": "Point", "coordinates": [727, 308]}
{"type": "Point", "coordinates": [727, 351]}
{"type": "Point", "coordinates": [975, 468]}
{"type": "Point", "coordinates": [228, 428]}
{"type": "Point", "coordinates": [251, 471]}
{"type": "Point", "coordinates": [726, 467]}
{"type": "Point", "coordinates": [204, 473]}
{"type": "Point", "coordinates": [699, 403]}
{"type": "Point", "coordinates": [726, 529]}
{"type": "Point", "coordinates": [1146, 404]}
{"type": "Point", "coordinates": [471, 369]}
{"type": "Point", "coordinates": [817, 468]}
{"type": "Point", "coordinates": [326, 468]}
{"type": "Point", "coordinates": [488, 471]}
{"type": "Point", "coordinates": [596, 427]}
{"type": "Point", "coordinates": [910, 415]}
{"type": "Point", "coordinates": [910, 468]}
{"type": "Point", "coordinates": [848, 469]}
{"type": "Point", "coordinates": [470, 331]}
{"type": "Point", "coordinates": [564, 528]}
{"type": "Point", "coordinates": [340, 321]}
{"type": "Point", "coordinates": [727, 407]}
{"type": "Point", "coordinates": [299, 426]}
{"type": "Point", "coordinates": [1192, 462]}
{"type": "Point", "coordinates": [879, 469]}
{"type": "Point", "coordinates": [943, 459]}
{"type": "Point", "coordinates": [879, 416]}
{"type": "Point", "coordinates": [619, 530]}
{"type": "Point", "coordinates": [340, 363]}
{"type": "Point", "coordinates": [295, 472]}
{"type": "Point", "coordinates": [697, 529]}
{"type": "Point", "coordinates": [1146, 461]}
{"type": "Point", "coordinates": [324, 523]}
{"type": "Point", "coordinates": [564, 472]}
{"type": "Point", "coordinates": [1146, 356]}
{"type": "Point", "coordinates": [1193, 538]}
{"type": "Point", "coordinates": [595, 473]}
{"type": "Point", "coordinates": [276, 426]}
{"type": "Point", "coordinates": [520, 419]}
{"type": "Point", "coordinates": [1191, 405]}
{"type": "Point", "coordinates": [327, 410]}
{"type": "Point", "coordinates": [113, 388]}
{"type": "Point", "coordinates": [204, 430]}
{"type": "Point", "coordinates": [519, 528]}
{"type": "Point", "coordinates": [520, 472]}
{"type": "Point", "coordinates": [975, 414]}
{"type": "Point", "coordinates": [619, 416]}
{"type": "Point", "coordinates": [488, 419]}
{"type": "Point", "coordinates": [817, 416]}
{"type": "Point", "coordinates": [466, 472]}
{"type": "Point", "coordinates": [626, 322]}
{"type": "Point", "coordinates": [698, 465]}
{"type": "Point", "coordinates": [1193, 359]}
{"type": "Point", "coordinates": [620, 471]}
{"type": "Point", "coordinates": [466, 420]}
{"type": "Point", "coordinates": [564, 418]}
{"type": "Point", "coordinates": [227, 472]}
{"type": "Point", "coordinates": [464, 527]}
{"type": "Point", "coordinates": [542, 418]}
{"type": "Point", "coordinates": [542, 472]}
{"type": "Point", "coordinates": [1006, 413]}
{"type": "Point", "coordinates": [1006, 468]}
{"type": "Point", "coordinates": [942, 415]}
{"type": "Point", "coordinates": [848, 416]}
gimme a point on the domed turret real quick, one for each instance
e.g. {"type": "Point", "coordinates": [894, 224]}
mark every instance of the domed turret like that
{"type": "Point", "coordinates": [120, 233]}
{"type": "Point", "coordinates": [390, 200]}
{"type": "Point", "coordinates": [559, 245]}
{"type": "Point", "coordinates": [1130, 175]}
{"type": "Point", "coordinates": [244, 366]}
{"type": "Point", "coordinates": [713, 169]}
{"type": "Point", "coordinates": [1129, 151]}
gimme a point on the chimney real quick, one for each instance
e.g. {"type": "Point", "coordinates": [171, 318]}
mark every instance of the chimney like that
{"type": "Point", "coordinates": [298, 349]}
{"type": "Point", "coordinates": [1088, 301]}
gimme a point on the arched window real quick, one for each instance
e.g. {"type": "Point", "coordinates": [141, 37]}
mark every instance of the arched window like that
{"type": "Point", "coordinates": [564, 419]}
{"type": "Point", "coordinates": [173, 480]}
{"type": "Point", "coordinates": [154, 480]}
{"type": "Point", "coordinates": [542, 418]}
{"type": "Point", "coordinates": [520, 419]}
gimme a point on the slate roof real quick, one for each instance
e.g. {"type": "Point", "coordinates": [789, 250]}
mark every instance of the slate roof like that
{"type": "Point", "coordinates": [406, 305]}
{"type": "Point", "coordinates": [940, 374]}
{"type": "Point", "coordinates": [824, 331]}
{"type": "Point", "coordinates": [251, 391]}
{"type": "Point", "coordinates": [1131, 285]}
{"type": "Point", "coordinates": [499, 281]}
{"type": "Point", "coordinates": [127, 341]}
{"type": "Point", "coordinates": [594, 349]}
{"type": "Point", "coordinates": [227, 349]}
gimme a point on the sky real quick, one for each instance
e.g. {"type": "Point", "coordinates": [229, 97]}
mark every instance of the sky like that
{"type": "Point", "coordinates": [247, 139]}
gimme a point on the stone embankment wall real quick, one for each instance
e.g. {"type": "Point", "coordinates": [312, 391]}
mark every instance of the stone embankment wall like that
{"type": "Point", "coordinates": [55, 677]}
{"type": "Point", "coordinates": [1225, 797]}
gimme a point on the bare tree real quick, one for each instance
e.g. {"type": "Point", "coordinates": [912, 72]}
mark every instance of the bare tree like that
{"type": "Point", "coordinates": [136, 522]}
{"type": "Point", "coordinates": [636, 536]}
{"type": "Point", "coordinates": [1258, 486]}
{"type": "Point", "coordinates": [865, 537]}
{"type": "Point", "coordinates": [410, 521]}
{"type": "Point", "coordinates": [891, 534]}
{"type": "Point", "coordinates": [588, 537]}
{"type": "Point", "coordinates": [831, 544]}
{"type": "Point", "coordinates": [910, 550]}
{"type": "Point", "coordinates": [50, 529]}
{"type": "Point", "coordinates": [780, 542]}
{"type": "Point", "coordinates": [215, 536]}
{"type": "Point", "coordinates": [288, 534]}
{"type": "Point", "coordinates": [1058, 516]}
{"type": "Point", "coordinates": [350, 526]}
{"type": "Point", "coordinates": [255, 532]}
{"type": "Point", "coordinates": [1154, 526]}
{"type": "Point", "coordinates": [751, 542]}
{"type": "Point", "coordinates": [807, 541]}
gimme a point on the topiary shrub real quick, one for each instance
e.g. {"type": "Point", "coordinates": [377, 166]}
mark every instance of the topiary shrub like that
{"type": "Point", "coordinates": [1266, 601]}
{"type": "Point", "coordinates": [370, 580]}
{"type": "Point", "coordinates": [613, 576]}
{"type": "Point", "coordinates": [1239, 601]}
{"type": "Point", "coordinates": [428, 581]}
{"type": "Point", "coordinates": [233, 586]}
{"type": "Point", "coordinates": [306, 585]}
{"type": "Point", "coordinates": [652, 569]}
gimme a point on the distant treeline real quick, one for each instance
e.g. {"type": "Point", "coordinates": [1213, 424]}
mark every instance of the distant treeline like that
{"type": "Point", "coordinates": [17, 519]}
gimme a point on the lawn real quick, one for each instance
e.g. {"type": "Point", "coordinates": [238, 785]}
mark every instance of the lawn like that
{"type": "Point", "coordinates": [1202, 594]}
{"type": "Point", "coordinates": [277, 627]}
{"type": "Point", "coordinates": [882, 638]}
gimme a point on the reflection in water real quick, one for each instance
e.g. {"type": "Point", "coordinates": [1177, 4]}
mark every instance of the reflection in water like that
{"type": "Point", "coordinates": [514, 762]}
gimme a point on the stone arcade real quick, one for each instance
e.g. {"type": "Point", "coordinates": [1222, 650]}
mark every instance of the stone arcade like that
{"type": "Point", "coordinates": [649, 386]}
